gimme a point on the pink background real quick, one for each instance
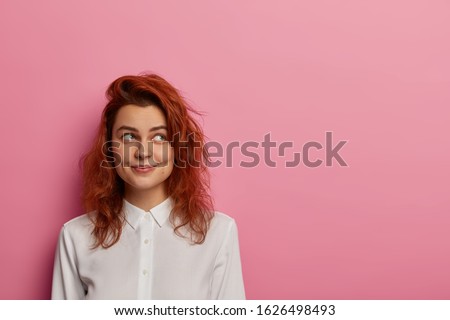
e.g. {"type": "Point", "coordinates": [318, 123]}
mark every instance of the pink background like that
{"type": "Point", "coordinates": [375, 73]}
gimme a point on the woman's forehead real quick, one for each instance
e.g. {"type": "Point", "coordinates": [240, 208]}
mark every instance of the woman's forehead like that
{"type": "Point", "coordinates": [140, 117]}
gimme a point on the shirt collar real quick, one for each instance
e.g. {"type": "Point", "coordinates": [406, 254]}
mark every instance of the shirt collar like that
{"type": "Point", "coordinates": [160, 212]}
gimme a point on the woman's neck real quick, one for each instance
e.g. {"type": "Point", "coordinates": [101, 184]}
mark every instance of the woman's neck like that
{"type": "Point", "coordinates": [145, 199]}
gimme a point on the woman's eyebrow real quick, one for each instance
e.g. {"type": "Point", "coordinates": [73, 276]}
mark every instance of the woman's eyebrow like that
{"type": "Point", "coordinates": [136, 130]}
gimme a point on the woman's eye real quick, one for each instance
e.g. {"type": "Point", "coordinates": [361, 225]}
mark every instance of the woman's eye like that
{"type": "Point", "coordinates": [128, 137]}
{"type": "Point", "coordinates": [159, 137]}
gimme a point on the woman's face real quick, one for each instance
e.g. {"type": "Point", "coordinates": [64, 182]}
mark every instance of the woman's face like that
{"type": "Point", "coordinates": [142, 152]}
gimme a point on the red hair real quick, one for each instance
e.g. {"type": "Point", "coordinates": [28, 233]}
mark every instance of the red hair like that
{"type": "Point", "coordinates": [188, 185]}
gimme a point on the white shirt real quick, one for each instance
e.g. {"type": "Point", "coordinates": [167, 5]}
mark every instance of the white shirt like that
{"type": "Point", "coordinates": [150, 261]}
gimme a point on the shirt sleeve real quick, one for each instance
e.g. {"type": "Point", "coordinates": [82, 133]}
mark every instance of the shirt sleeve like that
{"type": "Point", "coordinates": [66, 281]}
{"type": "Point", "coordinates": [227, 283]}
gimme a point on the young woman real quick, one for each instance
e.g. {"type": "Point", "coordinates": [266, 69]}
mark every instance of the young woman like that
{"type": "Point", "coordinates": [151, 231]}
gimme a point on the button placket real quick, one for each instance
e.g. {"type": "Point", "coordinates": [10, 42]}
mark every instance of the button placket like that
{"type": "Point", "coordinates": [146, 235]}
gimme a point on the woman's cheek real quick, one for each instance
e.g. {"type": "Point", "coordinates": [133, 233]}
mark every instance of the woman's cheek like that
{"type": "Point", "coordinates": [118, 154]}
{"type": "Point", "coordinates": [165, 155]}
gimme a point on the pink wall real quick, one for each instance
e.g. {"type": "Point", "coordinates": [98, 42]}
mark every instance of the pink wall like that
{"type": "Point", "coordinates": [376, 74]}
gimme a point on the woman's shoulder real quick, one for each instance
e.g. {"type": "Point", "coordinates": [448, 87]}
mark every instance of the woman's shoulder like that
{"type": "Point", "coordinates": [222, 219]}
{"type": "Point", "coordinates": [222, 223]}
{"type": "Point", "coordinates": [76, 234]}
{"type": "Point", "coordinates": [79, 225]}
{"type": "Point", "coordinates": [222, 231]}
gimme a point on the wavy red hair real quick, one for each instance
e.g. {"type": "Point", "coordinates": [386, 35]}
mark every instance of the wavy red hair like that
{"type": "Point", "coordinates": [187, 185]}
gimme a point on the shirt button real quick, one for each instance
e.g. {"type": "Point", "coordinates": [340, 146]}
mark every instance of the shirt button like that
{"type": "Point", "coordinates": [146, 241]}
{"type": "Point", "coordinates": [144, 272]}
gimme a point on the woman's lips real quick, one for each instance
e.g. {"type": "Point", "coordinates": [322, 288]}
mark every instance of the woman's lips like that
{"type": "Point", "coordinates": [144, 169]}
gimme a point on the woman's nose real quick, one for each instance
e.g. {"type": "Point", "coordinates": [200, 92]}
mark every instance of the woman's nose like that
{"type": "Point", "coordinates": [144, 150]}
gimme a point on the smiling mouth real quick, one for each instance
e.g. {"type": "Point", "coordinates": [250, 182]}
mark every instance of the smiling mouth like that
{"type": "Point", "coordinates": [142, 169]}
